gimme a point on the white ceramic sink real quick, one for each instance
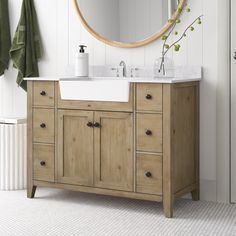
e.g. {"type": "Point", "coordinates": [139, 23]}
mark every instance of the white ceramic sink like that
{"type": "Point", "coordinates": [95, 89]}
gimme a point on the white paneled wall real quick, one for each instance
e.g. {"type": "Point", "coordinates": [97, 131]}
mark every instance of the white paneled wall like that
{"type": "Point", "coordinates": [62, 33]}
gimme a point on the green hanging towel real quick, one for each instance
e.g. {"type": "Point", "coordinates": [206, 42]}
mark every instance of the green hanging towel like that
{"type": "Point", "coordinates": [26, 47]}
{"type": "Point", "coordinates": [5, 38]}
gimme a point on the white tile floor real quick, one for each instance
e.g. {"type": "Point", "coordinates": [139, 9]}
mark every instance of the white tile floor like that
{"type": "Point", "coordinates": [57, 212]}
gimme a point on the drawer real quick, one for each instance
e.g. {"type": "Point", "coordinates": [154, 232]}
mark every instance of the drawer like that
{"type": "Point", "coordinates": [149, 132]}
{"type": "Point", "coordinates": [43, 159]}
{"type": "Point", "coordinates": [99, 106]}
{"type": "Point", "coordinates": [149, 174]}
{"type": "Point", "coordinates": [43, 125]}
{"type": "Point", "coordinates": [43, 93]}
{"type": "Point", "coordinates": [149, 97]}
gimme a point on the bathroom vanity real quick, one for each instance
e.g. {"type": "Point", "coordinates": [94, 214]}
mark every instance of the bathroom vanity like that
{"type": "Point", "coordinates": [146, 148]}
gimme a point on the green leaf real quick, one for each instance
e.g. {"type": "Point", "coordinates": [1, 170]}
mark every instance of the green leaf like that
{"type": "Point", "coordinates": [167, 46]}
{"type": "Point", "coordinates": [178, 21]}
{"type": "Point", "coordinates": [188, 9]}
{"type": "Point", "coordinates": [164, 37]}
{"type": "Point", "coordinates": [192, 28]}
{"type": "Point", "coordinates": [176, 47]}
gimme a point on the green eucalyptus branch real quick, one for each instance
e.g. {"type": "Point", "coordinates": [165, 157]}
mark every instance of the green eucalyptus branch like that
{"type": "Point", "coordinates": [163, 47]}
{"type": "Point", "coordinates": [175, 44]}
{"type": "Point", "coordinates": [167, 36]}
{"type": "Point", "coordinates": [182, 36]}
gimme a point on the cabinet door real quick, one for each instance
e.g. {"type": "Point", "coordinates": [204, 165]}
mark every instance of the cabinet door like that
{"type": "Point", "coordinates": [75, 147]}
{"type": "Point", "coordinates": [113, 152]}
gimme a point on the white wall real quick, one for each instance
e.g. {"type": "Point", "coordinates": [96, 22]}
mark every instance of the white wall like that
{"type": "Point", "coordinates": [62, 32]}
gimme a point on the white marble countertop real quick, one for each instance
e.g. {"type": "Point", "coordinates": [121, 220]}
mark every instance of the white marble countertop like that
{"type": "Point", "coordinates": [182, 74]}
{"type": "Point", "coordinates": [129, 79]}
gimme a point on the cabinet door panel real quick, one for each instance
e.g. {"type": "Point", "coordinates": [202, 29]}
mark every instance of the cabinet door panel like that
{"type": "Point", "coordinates": [114, 150]}
{"type": "Point", "coordinates": [75, 148]}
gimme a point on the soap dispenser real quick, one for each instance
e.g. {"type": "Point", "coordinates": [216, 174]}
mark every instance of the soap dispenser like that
{"type": "Point", "coordinates": [81, 62]}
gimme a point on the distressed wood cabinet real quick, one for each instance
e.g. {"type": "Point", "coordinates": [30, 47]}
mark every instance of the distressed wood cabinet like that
{"type": "Point", "coordinates": [145, 149]}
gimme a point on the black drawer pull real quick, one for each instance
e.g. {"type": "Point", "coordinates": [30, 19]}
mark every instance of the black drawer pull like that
{"type": "Point", "coordinates": [148, 174]}
{"type": "Point", "coordinates": [43, 125]}
{"type": "Point", "coordinates": [43, 93]}
{"type": "Point", "coordinates": [42, 163]}
{"type": "Point", "coordinates": [149, 96]}
{"type": "Point", "coordinates": [97, 125]}
{"type": "Point", "coordinates": [90, 124]}
{"type": "Point", "coordinates": [149, 132]}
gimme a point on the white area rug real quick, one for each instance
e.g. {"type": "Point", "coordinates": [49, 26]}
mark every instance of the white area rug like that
{"type": "Point", "coordinates": [57, 212]}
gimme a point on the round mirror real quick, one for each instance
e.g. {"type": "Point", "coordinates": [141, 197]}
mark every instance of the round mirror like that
{"type": "Point", "coordinates": [128, 23]}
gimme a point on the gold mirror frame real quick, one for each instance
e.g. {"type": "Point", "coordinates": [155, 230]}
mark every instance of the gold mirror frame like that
{"type": "Point", "coordinates": [144, 42]}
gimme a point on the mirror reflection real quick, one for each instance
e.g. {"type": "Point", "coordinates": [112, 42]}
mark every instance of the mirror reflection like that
{"type": "Point", "coordinates": [127, 21]}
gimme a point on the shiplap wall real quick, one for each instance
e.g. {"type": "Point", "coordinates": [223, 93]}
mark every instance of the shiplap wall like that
{"type": "Point", "coordinates": [62, 32]}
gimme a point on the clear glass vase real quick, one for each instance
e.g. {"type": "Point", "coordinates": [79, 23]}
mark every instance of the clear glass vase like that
{"type": "Point", "coordinates": [164, 68]}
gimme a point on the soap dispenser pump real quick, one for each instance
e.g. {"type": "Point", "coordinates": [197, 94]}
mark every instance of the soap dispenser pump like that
{"type": "Point", "coordinates": [81, 62]}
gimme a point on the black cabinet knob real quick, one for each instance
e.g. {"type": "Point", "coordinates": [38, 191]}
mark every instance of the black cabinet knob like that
{"type": "Point", "coordinates": [90, 124]}
{"type": "Point", "coordinates": [43, 93]}
{"type": "Point", "coordinates": [234, 56]}
{"type": "Point", "coordinates": [42, 163]}
{"type": "Point", "coordinates": [96, 125]}
{"type": "Point", "coordinates": [149, 132]}
{"type": "Point", "coordinates": [43, 125]}
{"type": "Point", "coordinates": [148, 174]}
{"type": "Point", "coordinates": [149, 96]}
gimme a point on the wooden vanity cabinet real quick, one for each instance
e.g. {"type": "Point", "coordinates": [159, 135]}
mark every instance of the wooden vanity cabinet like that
{"type": "Point", "coordinates": [95, 149]}
{"type": "Point", "coordinates": [145, 149]}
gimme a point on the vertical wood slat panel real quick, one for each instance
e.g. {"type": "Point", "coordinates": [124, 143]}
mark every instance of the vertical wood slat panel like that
{"type": "Point", "coordinates": [12, 156]}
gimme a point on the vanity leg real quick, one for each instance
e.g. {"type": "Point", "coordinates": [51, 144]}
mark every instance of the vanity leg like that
{"type": "Point", "coordinates": [31, 191]}
{"type": "Point", "coordinates": [195, 194]}
{"type": "Point", "coordinates": [168, 207]}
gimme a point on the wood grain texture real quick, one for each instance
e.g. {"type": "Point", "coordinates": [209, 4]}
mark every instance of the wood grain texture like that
{"type": "Point", "coordinates": [102, 191]}
{"type": "Point", "coordinates": [100, 106]}
{"type": "Point", "coordinates": [44, 153]}
{"type": "Point", "coordinates": [75, 147]}
{"type": "Point", "coordinates": [113, 151]}
{"type": "Point", "coordinates": [152, 164]}
{"type": "Point", "coordinates": [114, 157]}
{"type": "Point", "coordinates": [154, 103]}
{"type": "Point", "coordinates": [196, 192]}
{"type": "Point", "coordinates": [30, 187]}
{"type": "Point", "coordinates": [168, 197]}
{"type": "Point", "coordinates": [145, 123]}
{"type": "Point", "coordinates": [43, 134]}
{"type": "Point", "coordinates": [184, 136]}
{"type": "Point", "coordinates": [44, 93]}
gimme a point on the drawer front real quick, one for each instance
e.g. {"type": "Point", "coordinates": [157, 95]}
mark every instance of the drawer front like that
{"type": "Point", "coordinates": [149, 174]}
{"type": "Point", "coordinates": [149, 97]}
{"type": "Point", "coordinates": [99, 106]}
{"type": "Point", "coordinates": [149, 132]}
{"type": "Point", "coordinates": [43, 125]}
{"type": "Point", "coordinates": [43, 93]}
{"type": "Point", "coordinates": [43, 156]}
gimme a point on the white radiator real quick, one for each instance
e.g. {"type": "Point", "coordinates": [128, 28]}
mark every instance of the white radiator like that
{"type": "Point", "coordinates": [13, 153]}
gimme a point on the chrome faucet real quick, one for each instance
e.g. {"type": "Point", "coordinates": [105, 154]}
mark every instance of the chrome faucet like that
{"type": "Point", "coordinates": [122, 63]}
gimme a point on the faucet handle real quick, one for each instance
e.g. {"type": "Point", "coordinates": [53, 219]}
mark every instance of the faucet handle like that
{"type": "Point", "coordinates": [132, 71]}
{"type": "Point", "coordinates": [116, 69]}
